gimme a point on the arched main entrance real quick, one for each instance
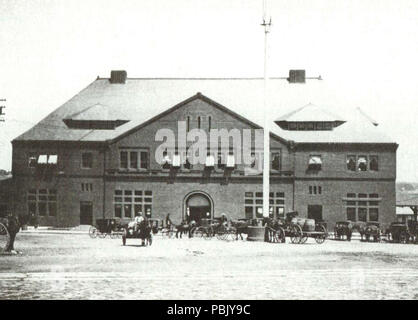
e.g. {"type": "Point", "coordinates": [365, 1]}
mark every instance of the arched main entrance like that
{"type": "Point", "coordinates": [197, 205]}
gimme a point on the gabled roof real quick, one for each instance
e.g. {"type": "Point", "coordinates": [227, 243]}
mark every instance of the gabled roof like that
{"type": "Point", "coordinates": [311, 113]}
{"type": "Point", "coordinates": [143, 99]}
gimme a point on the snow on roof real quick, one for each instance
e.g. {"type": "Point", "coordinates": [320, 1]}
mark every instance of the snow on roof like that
{"type": "Point", "coordinates": [141, 99]}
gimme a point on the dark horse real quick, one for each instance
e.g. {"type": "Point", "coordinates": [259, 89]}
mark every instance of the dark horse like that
{"type": "Point", "coordinates": [241, 227]}
{"type": "Point", "coordinates": [185, 227]}
{"type": "Point", "coordinates": [145, 230]}
{"type": "Point", "coordinates": [13, 224]}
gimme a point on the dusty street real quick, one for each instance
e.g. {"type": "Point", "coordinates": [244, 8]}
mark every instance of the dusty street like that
{"type": "Point", "coordinates": [68, 266]}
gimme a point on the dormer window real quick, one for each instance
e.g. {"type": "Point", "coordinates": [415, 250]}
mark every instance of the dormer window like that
{"type": "Point", "coordinates": [315, 163]}
{"type": "Point", "coordinates": [362, 163]}
{"type": "Point", "coordinates": [96, 117]}
{"type": "Point", "coordinates": [86, 160]}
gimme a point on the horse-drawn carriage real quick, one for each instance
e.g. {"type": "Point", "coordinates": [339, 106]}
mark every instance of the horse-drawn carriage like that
{"type": "Point", "coordinates": [343, 230]}
{"type": "Point", "coordinates": [106, 227]}
{"type": "Point", "coordinates": [403, 232]}
{"type": "Point", "coordinates": [142, 230]}
{"type": "Point", "coordinates": [370, 231]}
{"type": "Point", "coordinates": [298, 229]}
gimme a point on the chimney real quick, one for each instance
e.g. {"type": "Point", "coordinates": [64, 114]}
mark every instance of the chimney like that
{"type": "Point", "coordinates": [296, 76]}
{"type": "Point", "coordinates": [118, 76]}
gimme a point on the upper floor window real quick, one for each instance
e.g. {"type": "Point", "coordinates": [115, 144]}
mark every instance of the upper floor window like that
{"type": "Point", "coordinates": [32, 160]}
{"type": "Point", "coordinates": [46, 159]}
{"type": "Point", "coordinates": [188, 123]}
{"type": "Point", "coordinates": [133, 159]}
{"type": "Point", "coordinates": [315, 162]}
{"type": "Point", "coordinates": [275, 161]}
{"type": "Point", "coordinates": [362, 163]}
{"type": "Point", "coordinates": [315, 189]}
{"type": "Point", "coordinates": [209, 123]}
{"type": "Point", "coordinates": [374, 163]}
{"type": "Point", "coordinates": [351, 163]}
{"type": "Point", "coordinates": [87, 160]}
{"type": "Point", "coordinates": [199, 122]}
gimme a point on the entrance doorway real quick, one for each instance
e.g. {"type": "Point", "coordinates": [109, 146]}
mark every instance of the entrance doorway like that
{"type": "Point", "coordinates": [315, 212]}
{"type": "Point", "coordinates": [86, 212]}
{"type": "Point", "coordinates": [198, 207]}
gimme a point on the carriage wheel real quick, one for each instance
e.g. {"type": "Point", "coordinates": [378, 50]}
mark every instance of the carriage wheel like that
{"type": "Point", "coordinates": [101, 235]}
{"type": "Point", "coordinates": [4, 238]}
{"type": "Point", "coordinates": [93, 232]}
{"type": "Point", "coordinates": [295, 233]}
{"type": "Point", "coordinates": [321, 238]}
{"type": "Point", "coordinates": [197, 232]}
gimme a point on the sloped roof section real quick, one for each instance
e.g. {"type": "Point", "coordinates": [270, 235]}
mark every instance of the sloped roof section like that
{"type": "Point", "coordinates": [98, 112]}
{"type": "Point", "coordinates": [141, 100]}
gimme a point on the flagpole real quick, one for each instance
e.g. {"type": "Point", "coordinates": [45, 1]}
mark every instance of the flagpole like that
{"type": "Point", "coordinates": [266, 141]}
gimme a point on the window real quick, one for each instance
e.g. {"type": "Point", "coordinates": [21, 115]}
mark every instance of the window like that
{"type": "Point", "coordinates": [315, 189]}
{"type": "Point", "coordinates": [374, 214]}
{"type": "Point", "coordinates": [45, 159]}
{"type": "Point", "coordinates": [32, 160]}
{"type": "Point", "coordinates": [124, 159]}
{"type": "Point", "coordinates": [42, 202]}
{"type": "Point", "coordinates": [254, 204]}
{"type": "Point", "coordinates": [374, 163]}
{"type": "Point", "coordinates": [87, 160]}
{"type": "Point", "coordinates": [188, 124]}
{"type": "Point", "coordinates": [199, 122]}
{"type": "Point", "coordinates": [365, 205]}
{"type": "Point", "coordinates": [275, 161]}
{"type": "Point", "coordinates": [133, 160]}
{"type": "Point", "coordinates": [129, 159]}
{"type": "Point", "coordinates": [220, 159]}
{"type": "Point", "coordinates": [87, 187]}
{"type": "Point", "coordinates": [362, 163]}
{"type": "Point", "coordinates": [209, 123]}
{"type": "Point", "coordinates": [362, 214]}
{"type": "Point", "coordinates": [351, 163]}
{"type": "Point", "coordinates": [131, 203]}
{"type": "Point", "coordinates": [315, 163]}
{"type": "Point", "coordinates": [351, 214]}
{"type": "Point", "coordinates": [144, 160]}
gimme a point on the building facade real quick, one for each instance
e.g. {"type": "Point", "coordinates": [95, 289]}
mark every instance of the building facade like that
{"type": "Point", "coordinates": [94, 157]}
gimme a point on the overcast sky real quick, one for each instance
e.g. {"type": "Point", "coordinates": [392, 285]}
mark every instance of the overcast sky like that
{"type": "Point", "coordinates": [367, 49]}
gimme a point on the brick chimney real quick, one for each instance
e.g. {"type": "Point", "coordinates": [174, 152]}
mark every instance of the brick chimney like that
{"type": "Point", "coordinates": [118, 76]}
{"type": "Point", "coordinates": [296, 76]}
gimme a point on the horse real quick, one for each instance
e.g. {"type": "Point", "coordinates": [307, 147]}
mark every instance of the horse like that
{"type": "Point", "coordinates": [241, 227]}
{"type": "Point", "coordinates": [13, 224]}
{"type": "Point", "coordinates": [185, 227]}
{"type": "Point", "coordinates": [145, 230]}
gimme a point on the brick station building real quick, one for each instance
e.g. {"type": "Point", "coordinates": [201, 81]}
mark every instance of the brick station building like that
{"type": "Point", "coordinates": [93, 157]}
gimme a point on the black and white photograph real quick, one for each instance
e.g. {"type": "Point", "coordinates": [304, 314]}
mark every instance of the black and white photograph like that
{"type": "Point", "coordinates": [195, 150]}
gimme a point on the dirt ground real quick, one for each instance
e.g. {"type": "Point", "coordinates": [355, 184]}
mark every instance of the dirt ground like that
{"type": "Point", "coordinates": [73, 266]}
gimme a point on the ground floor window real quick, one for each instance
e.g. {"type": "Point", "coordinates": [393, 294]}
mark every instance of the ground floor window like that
{"type": "Point", "coordinates": [362, 207]}
{"type": "Point", "coordinates": [253, 202]}
{"type": "Point", "coordinates": [42, 202]}
{"type": "Point", "coordinates": [129, 203]}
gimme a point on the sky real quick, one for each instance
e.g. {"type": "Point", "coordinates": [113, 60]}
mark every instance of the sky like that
{"type": "Point", "coordinates": [367, 50]}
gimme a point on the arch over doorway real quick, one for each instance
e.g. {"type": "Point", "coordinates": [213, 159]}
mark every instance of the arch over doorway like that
{"type": "Point", "coordinates": [197, 205]}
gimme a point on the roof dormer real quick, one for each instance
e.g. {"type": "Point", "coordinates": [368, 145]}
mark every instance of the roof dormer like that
{"type": "Point", "coordinates": [309, 118]}
{"type": "Point", "coordinates": [97, 116]}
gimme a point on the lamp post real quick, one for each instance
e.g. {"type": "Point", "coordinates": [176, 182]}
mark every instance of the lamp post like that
{"type": "Point", "coordinates": [266, 141]}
